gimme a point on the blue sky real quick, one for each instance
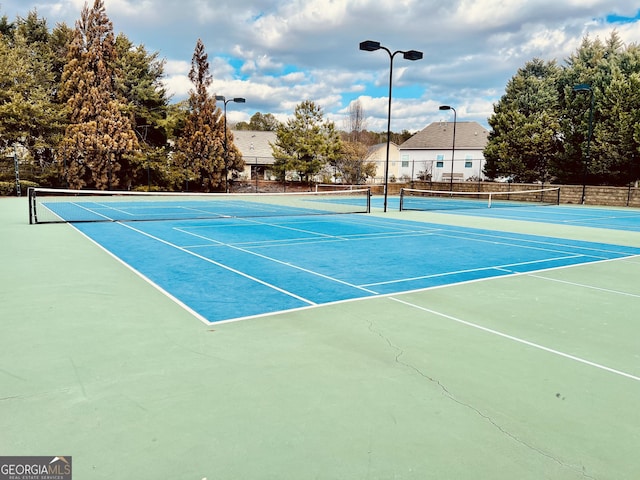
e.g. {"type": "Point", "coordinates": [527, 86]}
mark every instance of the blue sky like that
{"type": "Point", "coordinates": [278, 53]}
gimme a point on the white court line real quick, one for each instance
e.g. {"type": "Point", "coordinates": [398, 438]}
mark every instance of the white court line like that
{"type": "Point", "coordinates": [221, 265]}
{"type": "Point", "coordinates": [108, 206]}
{"type": "Point", "coordinates": [538, 245]}
{"type": "Point", "coordinates": [583, 285]}
{"type": "Point", "coordinates": [286, 227]}
{"type": "Point", "coordinates": [144, 277]}
{"type": "Point", "coordinates": [490, 237]}
{"type": "Point", "coordinates": [519, 340]}
{"type": "Point", "coordinates": [275, 260]}
{"type": "Point", "coordinates": [492, 267]}
{"type": "Point", "coordinates": [328, 237]}
{"type": "Point", "coordinates": [288, 242]}
{"type": "Point", "coordinates": [92, 211]}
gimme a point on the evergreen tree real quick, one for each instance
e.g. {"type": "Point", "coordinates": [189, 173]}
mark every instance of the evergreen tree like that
{"type": "Point", "coordinates": [544, 128]}
{"type": "Point", "coordinates": [306, 143]}
{"type": "Point", "coordinates": [13, 94]}
{"type": "Point", "coordinates": [29, 114]}
{"type": "Point", "coordinates": [100, 135]}
{"type": "Point", "coordinates": [590, 64]}
{"type": "Point", "coordinates": [201, 152]}
{"type": "Point", "coordinates": [525, 135]}
{"type": "Point", "coordinates": [618, 147]}
{"type": "Point", "coordinates": [141, 85]}
{"type": "Point", "coordinates": [7, 28]}
{"type": "Point", "coordinates": [200, 146]}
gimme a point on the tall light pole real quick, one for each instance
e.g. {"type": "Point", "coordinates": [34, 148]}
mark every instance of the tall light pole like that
{"type": "Point", "coordinates": [371, 46]}
{"type": "Point", "coordinates": [585, 87]}
{"type": "Point", "coordinates": [226, 151]}
{"type": "Point", "coordinates": [453, 148]}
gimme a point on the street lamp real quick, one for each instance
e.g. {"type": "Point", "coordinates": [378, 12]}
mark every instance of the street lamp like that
{"type": "Point", "coordinates": [226, 151]}
{"type": "Point", "coordinates": [585, 87]}
{"type": "Point", "coordinates": [371, 46]}
{"type": "Point", "coordinates": [453, 148]}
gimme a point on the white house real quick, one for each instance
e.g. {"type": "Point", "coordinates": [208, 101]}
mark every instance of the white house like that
{"type": "Point", "coordinates": [429, 152]}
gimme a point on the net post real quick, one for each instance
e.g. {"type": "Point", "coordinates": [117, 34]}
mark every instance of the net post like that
{"type": "Point", "coordinates": [31, 195]}
{"type": "Point", "coordinates": [401, 198]}
{"type": "Point", "coordinates": [489, 203]}
{"type": "Point", "coordinates": [558, 199]}
{"type": "Point", "coordinates": [369, 200]}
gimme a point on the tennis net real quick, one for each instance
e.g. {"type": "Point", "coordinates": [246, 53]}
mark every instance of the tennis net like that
{"type": "Point", "coordinates": [49, 205]}
{"type": "Point", "coordinates": [414, 199]}
{"type": "Point", "coordinates": [329, 187]}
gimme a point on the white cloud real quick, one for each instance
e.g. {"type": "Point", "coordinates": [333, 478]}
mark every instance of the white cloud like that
{"type": "Point", "coordinates": [173, 67]}
{"type": "Point", "coordinates": [277, 53]}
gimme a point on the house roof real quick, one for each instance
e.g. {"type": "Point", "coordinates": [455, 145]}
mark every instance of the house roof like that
{"type": "Point", "coordinates": [252, 143]}
{"type": "Point", "coordinates": [439, 136]}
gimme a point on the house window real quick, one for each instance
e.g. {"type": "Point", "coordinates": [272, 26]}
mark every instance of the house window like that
{"type": "Point", "coordinates": [439, 164]}
{"type": "Point", "coordinates": [468, 164]}
{"type": "Point", "coordinates": [440, 160]}
{"type": "Point", "coordinates": [405, 160]}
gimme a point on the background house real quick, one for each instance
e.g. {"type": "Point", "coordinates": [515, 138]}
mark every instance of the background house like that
{"type": "Point", "coordinates": [378, 154]}
{"type": "Point", "coordinates": [428, 152]}
{"type": "Point", "coordinates": [255, 147]}
{"type": "Point", "coordinates": [257, 154]}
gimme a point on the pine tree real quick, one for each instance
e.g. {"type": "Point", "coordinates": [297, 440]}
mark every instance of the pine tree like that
{"type": "Point", "coordinates": [525, 126]}
{"type": "Point", "coordinates": [306, 143]}
{"type": "Point", "coordinates": [29, 114]}
{"type": "Point", "coordinates": [201, 143]}
{"type": "Point", "coordinates": [140, 83]}
{"type": "Point", "coordinates": [100, 135]}
{"type": "Point", "coordinates": [618, 147]}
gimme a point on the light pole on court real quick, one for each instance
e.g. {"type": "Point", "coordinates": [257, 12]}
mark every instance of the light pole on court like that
{"type": "Point", "coordinates": [453, 148]}
{"type": "Point", "coordinates": [372, 46]}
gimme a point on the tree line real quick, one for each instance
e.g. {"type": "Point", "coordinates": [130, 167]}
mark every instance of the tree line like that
{"type": "Point", "coordinates": [571, 124]}
{"type": "Point", "coordinates": [86, 108]}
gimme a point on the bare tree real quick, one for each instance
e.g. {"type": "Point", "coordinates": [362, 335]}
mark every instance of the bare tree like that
{"type": "Point", "coordinates": [356, 122]}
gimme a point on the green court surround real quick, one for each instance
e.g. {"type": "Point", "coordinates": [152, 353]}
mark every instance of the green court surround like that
{"type": "Point", "coordinates": [98, 365]}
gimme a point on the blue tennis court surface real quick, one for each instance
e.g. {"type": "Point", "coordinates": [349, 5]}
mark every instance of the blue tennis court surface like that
{"type": "Point", "coordinates": [579, 216]}
{"type": "Point", "coordinates": [233, 268]}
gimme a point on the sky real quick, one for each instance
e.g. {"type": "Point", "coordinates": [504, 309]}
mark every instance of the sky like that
{"type": "Point", "coordinates": [279, 53]}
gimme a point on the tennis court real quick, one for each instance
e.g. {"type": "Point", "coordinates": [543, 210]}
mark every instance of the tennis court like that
{"type": "Point", "coordinates": [236, 268]}
{"type": "Point", "coordinates": [597, 217]}
{"type": "Point", "coordinates": [405, 345]}
{"type": "Point", "coordinates": [499, 205]}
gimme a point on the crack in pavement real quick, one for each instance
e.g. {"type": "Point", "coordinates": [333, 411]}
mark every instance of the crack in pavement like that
{"type": "Point", "coordinates": [400, 352]}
